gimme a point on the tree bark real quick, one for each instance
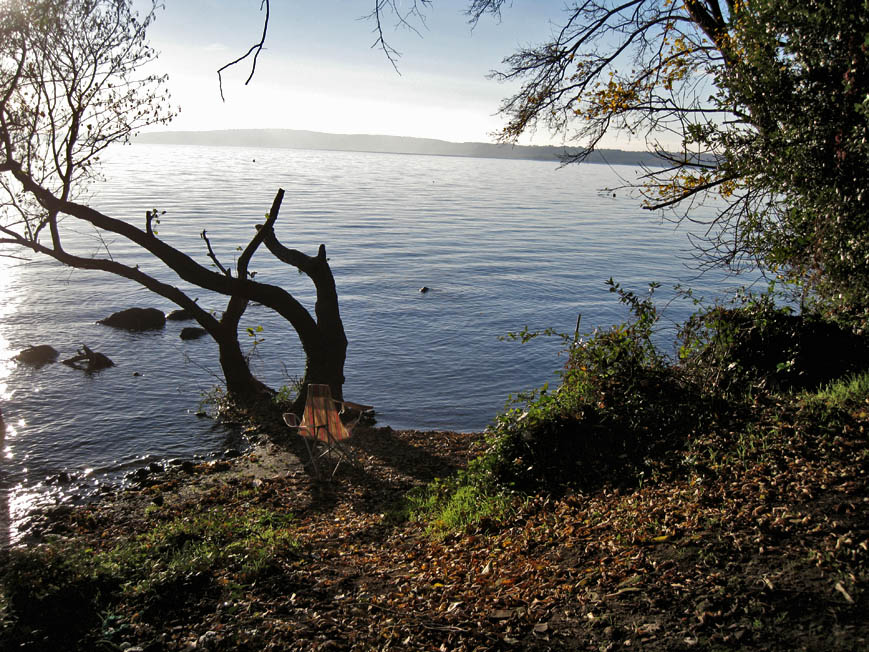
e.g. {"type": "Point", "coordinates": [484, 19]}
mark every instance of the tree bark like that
{"type": "Point", "coordinates": [326, 346]}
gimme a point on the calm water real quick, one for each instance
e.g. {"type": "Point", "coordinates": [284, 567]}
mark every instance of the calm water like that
{"type": "Point", "coordinates": [502, 244]}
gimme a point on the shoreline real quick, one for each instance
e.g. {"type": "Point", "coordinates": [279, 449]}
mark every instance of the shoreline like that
{"type": "Point", "coordinates": [269, 458]}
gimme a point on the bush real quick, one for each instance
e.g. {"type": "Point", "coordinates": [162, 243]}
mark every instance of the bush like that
{"type": "Point", "coordinates": [760, 346]}
{"type": "Point", "coordinates": [620, 404]}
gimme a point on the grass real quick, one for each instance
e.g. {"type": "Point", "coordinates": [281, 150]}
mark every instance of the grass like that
{"type": "Point", "coordinates": [213, 542]}
{"type": "Point", "coordinates": [457, 504]}
{"type": "Point", "coordinates": [175, 563]}
{"type": "Point", "coordinates": [843, 392]}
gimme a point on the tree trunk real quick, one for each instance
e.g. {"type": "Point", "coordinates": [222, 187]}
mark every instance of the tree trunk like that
{"type": "Point", "coordinates": [324, 366]}
{"type": "Point", "coordinates": [241, 384]}
{"type": "Point", "coordinates": [325, 345]}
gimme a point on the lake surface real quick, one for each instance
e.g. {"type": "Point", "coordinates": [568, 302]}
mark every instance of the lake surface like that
{"type": "Point", "coordinates": [502, 244]}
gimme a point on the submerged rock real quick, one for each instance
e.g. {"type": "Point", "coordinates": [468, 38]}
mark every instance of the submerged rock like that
{"type": "Point", "coordinates": [179, 315]}
{"type": "Point", "coordinates": [87, 360]}
{"type": "Point", "coordinates": [192, 333]}
{"type": "Point", "coordinates": [37, 355]}
{"type": "Point", "coordinates": [136, 319]}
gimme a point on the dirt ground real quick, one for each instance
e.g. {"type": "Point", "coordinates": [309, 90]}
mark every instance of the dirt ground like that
{"type": "Point", "coordinates": [770, 557]}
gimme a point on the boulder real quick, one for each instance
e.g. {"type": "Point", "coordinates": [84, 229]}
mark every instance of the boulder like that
{"type": "Point", "coordinates": [136, 319]}
{"type": "Point", "coordinates": [37, 355]}
{"type": "Point", "coordinates": [192, 333]}
{"type": "Point", "coordinates": [179, 315]}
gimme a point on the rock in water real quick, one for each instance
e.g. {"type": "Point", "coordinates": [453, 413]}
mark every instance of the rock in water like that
{"type": "Point", "coordinates": [38, 355]}
{"type": "Point", "coordinates": [136, 319]}
{"type": "Point", "coordinates": [88, 360]}
{"type": "Point", "coordinates": [192, 333]}
{"type": "Point", "coordinates": [179, 315]}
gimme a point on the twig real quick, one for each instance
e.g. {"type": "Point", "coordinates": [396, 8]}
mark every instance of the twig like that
{"type": "Point", "coordinates": [255, 49]}
{"type": "Point", "coordinates": [213, 257]}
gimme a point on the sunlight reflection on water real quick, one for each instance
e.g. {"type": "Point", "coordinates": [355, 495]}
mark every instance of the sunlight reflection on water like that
{"type": "Point", "coordinates": [9, 301]}
{"type": "Point", "coordinates": [8, 304]}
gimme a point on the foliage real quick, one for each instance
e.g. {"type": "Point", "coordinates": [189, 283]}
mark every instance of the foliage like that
{"type": "Point", "coordinates": [757, 345]}
{"type": "Point", "coordinates": [71, 83]}
{"type": "Point", "coordinates": [757, 109]}
{"type": "Point", "coordinates": [620, 403]}
{"type": "Point", "coordinates": [625, 413]}
{"type": "Point", "coordinates": [802, 68]}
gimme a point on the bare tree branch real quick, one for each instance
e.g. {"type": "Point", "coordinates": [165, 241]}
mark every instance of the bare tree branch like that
{"type": "Point", "coordinates": [254, 50]}
{"type": "Point", "coordinates": [213, 256]}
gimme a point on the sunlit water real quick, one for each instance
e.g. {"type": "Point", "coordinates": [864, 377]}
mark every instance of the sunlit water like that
{"type": "Point", "coordinates": [502, 244]}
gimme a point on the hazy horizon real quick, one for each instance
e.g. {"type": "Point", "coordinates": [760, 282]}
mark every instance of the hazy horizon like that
{"type": "Point", "coordinates": [319, 71]}
{"type": "Point", "coordinates": [383, 143]}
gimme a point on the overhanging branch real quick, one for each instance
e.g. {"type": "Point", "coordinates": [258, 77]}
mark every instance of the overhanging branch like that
{"type": "Point", "coordinates": [254, 50]}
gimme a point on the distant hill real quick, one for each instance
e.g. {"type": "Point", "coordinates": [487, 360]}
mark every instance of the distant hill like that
{"type": "Point", "coordinates": [295, 139]}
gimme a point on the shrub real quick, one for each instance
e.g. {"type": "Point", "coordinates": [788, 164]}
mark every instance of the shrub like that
{"type": "Point", "coordinates": [621, 402]}
{"type": "Point", "coordinates": [758, 345]}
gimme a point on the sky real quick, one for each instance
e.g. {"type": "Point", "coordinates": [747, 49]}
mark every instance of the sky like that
{"type": "Point", "coordinates": [320, 73]}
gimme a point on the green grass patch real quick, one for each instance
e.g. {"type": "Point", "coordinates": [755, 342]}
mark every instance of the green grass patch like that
{"type": "Point", "coordinates": [848, 391]}
{"type": "Point", "coordinates": [187, 562]}
{"type": "Point", "coordinates": [457, 504]}
{"type": "Point", "coordinates": [241, 545]}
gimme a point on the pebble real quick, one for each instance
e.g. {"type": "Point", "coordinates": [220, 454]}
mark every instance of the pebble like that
{"type": "Point", "coordinates": [208, 641]}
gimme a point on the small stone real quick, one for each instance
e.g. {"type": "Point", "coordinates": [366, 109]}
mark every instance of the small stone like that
{"type": "Point", "coordinates": [208, 641]}
{"type": "Point", "coordinates": [179, 315]}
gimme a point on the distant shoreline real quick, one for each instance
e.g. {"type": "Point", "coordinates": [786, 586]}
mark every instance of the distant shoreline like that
{"type": "Point", "coordinates": [315, 140]}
